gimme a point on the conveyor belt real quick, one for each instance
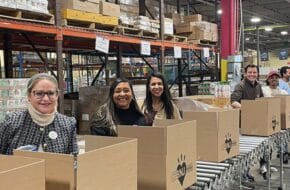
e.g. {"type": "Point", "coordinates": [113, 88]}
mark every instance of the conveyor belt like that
{"type": "Point", "coordinates": [218, 176]}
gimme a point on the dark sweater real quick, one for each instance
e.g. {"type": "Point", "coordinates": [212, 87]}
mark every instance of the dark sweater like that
{"type": "Point", "coordinates": [130, 117]}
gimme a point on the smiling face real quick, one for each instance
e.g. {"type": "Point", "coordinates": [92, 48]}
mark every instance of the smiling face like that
{"type": "Point", "coordinates": [122, 96]}
{"type": "Point", "coordinates": [156, 87]}
{"type": "Point", "coordinates": [43, 96]}
{"type": "Point", "coordinates": [273, 81]}
{"type": "Point", "coordinates": [252, 74]}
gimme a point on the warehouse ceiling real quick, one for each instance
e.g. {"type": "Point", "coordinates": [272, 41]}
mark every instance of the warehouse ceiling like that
{"type": "Point", "coordinates": [273, 13]}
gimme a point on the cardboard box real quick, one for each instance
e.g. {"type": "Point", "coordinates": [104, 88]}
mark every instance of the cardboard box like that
{"type": "Point", "coordinates": [108, 163]}
{"type": "Point", "coordinates": [21, 173]}
{"type": "Point", "coordinates": [109, 9]}
{"type": "Point", "coordinates": [192, 18]}
{"type": "Point", "coordinates": [175, 17]}
{"type": "Point", "coordinates": [166, 155]}
{"type": "Point", "coordinates": [260, 117]}
{"type": "Point", "coordinates": [87, 6]}
{"type": "Point", "coordinates": [217, 134]}
{"type": "Point", "coordinates": [285, 111]}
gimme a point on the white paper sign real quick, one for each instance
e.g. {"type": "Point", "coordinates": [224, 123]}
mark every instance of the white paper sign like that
{"type": "Point", "coordinates": [145, 48]}
{"type": "Point", "coordinates": [206, 52]}
{"type": "Point", "coordinates": [102, 44]}
{"type": "Point", "coordinates": [177, 52]}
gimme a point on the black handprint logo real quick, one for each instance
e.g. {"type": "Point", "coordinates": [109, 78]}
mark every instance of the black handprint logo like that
{"type": "Point", "coordinates": [228, 142]}
{"type": "Point", "coordinates": [181, 169]}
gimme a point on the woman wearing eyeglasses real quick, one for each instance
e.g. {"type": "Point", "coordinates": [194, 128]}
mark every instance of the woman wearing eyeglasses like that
{"type": "Point", "coordinates": [40, 126]}
{"type": "Point", "coordinates": [120, 109]}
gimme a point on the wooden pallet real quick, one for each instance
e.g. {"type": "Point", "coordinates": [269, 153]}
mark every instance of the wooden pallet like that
{"type": "Point", "coordinates": [175, 38]}
{"type": "Point", "coordinates": [26, 15]}
{"type": "Point", "coordinates": [203, 42]}
{"type": "Point", "coordinates": [90, 25]}
{"type": "Point", "coordinates": [148, 34]}
{"type": "Point", "coordinates": [128, 31]}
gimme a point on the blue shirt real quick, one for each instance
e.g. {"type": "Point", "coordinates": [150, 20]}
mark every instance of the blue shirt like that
{"type": "Point", "coordinates": [284, 85]}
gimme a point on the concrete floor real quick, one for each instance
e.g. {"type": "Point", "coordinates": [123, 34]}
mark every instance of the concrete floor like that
{"type": "Point", "coordinates": [262, 184]}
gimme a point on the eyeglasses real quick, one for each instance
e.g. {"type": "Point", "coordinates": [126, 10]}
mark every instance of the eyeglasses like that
{"type": "Point", "coordinates": [40, 94]}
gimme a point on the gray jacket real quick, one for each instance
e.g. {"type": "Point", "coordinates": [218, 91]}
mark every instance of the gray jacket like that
{"type": "Point", "coordinates": [18, 129]}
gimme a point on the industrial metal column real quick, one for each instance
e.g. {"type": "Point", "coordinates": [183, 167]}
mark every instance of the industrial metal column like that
{"type": "Point", "coordinates": [59, 60]}
{"type": "Point", "coordinates": [8, 55]}
{"type": "Point", "coordinates": [161, 20]}
{"type": "Point", "coordinates": [228, 33]}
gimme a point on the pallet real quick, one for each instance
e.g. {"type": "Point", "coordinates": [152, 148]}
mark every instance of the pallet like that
{"type": "Point", "coordinates": [26, 15]}
{"type": "Point", "coordinates": [203, 42]}
{"type": "Point", "coordinates": [128, 31]}
{"type": "Point", "coordinates": [175, 38]}
{"type": "Point", "coordinates": [148, 34]}
{"type": "Point", "coordinates": [90, 25]}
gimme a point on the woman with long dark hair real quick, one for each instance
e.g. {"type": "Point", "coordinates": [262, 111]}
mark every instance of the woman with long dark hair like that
{"type": "Point", "coordinates": [120, 109]}
{"type": "Point", "coordinates": [158, 102]}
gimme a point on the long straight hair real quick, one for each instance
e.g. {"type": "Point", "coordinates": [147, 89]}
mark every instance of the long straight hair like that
{"type": "Point", "coordinates": [165, 97]}
{"type": "Point", "coordinates": [112, 106]}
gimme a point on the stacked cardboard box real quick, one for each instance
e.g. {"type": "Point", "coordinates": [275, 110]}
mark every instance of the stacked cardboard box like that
{"type": "Point", "coordinates": [13, 95]}
{"type": "Point", "coordinates": [144, 23]}
{"type": "Point", "coordinates": [129, 9]}
{"type": "Point", "coordinates": [87, 5]}
{"type": "Point", "coordinates": [109, 9]}
{"type": "Point", "coordinates": [195, 29]}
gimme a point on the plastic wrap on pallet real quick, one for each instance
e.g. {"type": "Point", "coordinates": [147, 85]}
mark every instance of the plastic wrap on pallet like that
{"type": "Point", "coordinates": [126, 19]}
{"type": "Point", "coordinates": [8, 3]}
{"type": "Point", "coordinates": [129, 2]}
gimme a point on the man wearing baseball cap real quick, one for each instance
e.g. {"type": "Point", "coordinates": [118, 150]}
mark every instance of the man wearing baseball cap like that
{"type": "Point", "coordinates": [272, 87]}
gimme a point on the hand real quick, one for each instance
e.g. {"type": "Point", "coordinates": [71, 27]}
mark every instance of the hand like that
{"type": "Point", "coordinates": [236, 105]}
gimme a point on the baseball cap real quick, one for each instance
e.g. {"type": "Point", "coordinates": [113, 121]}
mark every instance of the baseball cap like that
{"type": "Point", "coordinates": [273, 73]}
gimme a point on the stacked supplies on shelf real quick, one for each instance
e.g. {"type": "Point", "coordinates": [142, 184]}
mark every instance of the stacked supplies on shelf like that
{"type": "Point", "coordinates": [13, 96]}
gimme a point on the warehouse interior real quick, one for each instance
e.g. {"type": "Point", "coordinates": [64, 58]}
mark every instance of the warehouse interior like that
{"type": "Point", "coordinates": [201, 47]}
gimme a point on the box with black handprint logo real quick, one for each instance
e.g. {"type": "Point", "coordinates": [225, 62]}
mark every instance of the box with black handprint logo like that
{"type": "Point", "coordinates": [107, 163]}
{"type": "Point", "coordinates": [260, 117]}
{"type": "Point", "coordinates": [217, 134]}
{"type": "Point", "coordinates": [166, 154]}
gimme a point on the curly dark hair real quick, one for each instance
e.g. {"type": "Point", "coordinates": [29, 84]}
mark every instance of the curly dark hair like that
{"type": "Point", "coordinates": [165, 97]}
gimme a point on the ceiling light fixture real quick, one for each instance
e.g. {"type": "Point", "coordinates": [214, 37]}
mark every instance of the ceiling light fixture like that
{"type": "Point", "coordinates": [284, 33]}
{"type": "Point", "coordinates": [247, 39]}
{"type": "Point", "coordinates": [219, 12]}
{"type": "Point", "coordinates": [255, 19]}
{"type": "Point", "coordinates": [268, 29]}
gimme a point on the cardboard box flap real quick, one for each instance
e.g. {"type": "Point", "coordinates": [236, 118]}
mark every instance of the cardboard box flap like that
{"type": "Point", "coordinates": [97, 142]}
{"type": "Point", "coordinates": [21, 173]}
{"type": "Point", "coordinates": [206, 123]}
{"type": "Point", "coordinates": [94, 165]}
{"type": "Point", "coordinates": [12, 162]}
{"type": "Point", "coordinates": [155, 145]}
{"type": "Point", "coordinates": [59, 170]}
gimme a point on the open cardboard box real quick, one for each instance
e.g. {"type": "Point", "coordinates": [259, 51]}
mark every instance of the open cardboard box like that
{"type": "Point", "coordinates": [217, 133]}
{"type": "Point", "coordinates": [166, 154]}
{"type": "Point", "coordinates": [21, 173]}
{"type": "Point", "coordinates": [260, 117]}
{"type": "Point", "coordinates": [108, 163]}
{"type": "Point", "coordinates": [285, 111]}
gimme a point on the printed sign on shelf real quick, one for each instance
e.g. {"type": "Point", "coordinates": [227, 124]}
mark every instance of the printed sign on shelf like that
{"type": "Point", "coordinates": [102, 44]}
{"type": "Point", "coordinates": [145, 48]}
{"type": "Point", "coordinates": [177, 52]}
{"type": "Point", "coordinates": [206, 52]}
